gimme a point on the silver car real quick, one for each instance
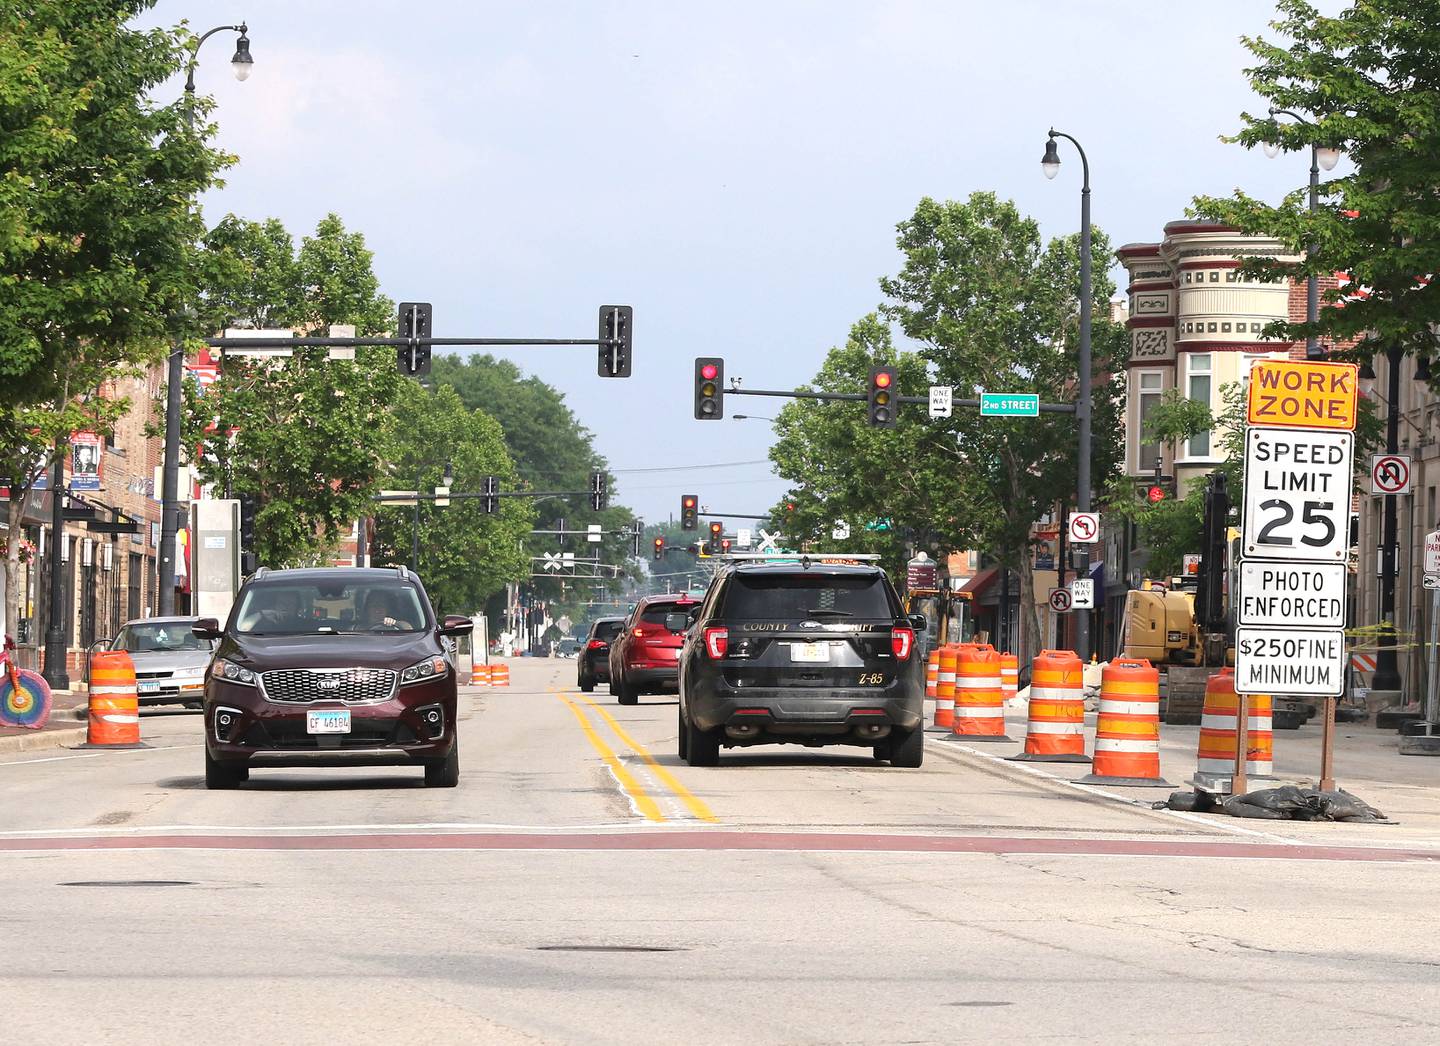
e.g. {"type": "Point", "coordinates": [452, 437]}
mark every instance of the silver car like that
{"type": "Point", "coordinates": [170, 661]}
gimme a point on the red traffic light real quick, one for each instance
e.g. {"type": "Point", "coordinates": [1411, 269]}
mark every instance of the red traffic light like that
{"type": "Point", "coordinates": [882, 379]}
{"type": "Point", "coordinates": [1155, 494]}
{"type": "Point", "coordinates": [689, 502]}
{"type": "Point", "coordinates": [717, 528]}
{"type": "Point", "coordinates": [709, 371]}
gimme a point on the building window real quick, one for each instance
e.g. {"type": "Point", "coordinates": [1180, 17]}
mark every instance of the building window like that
{"type": "Point", "coordinates": [1230, 276]}
{"type": "Point", "coordinates": [1214, 275]}
{"type": "Point", "coordinates": [1187, 277]}
{"type": "Point", "coordinates": [132, 579]}
{"type": "Point", "coordinates": [1224, 328]}
{"type": "Point", "coordinates": [1254, 328]}
{"type": "Point", "coordinates": [1212, 327]}
{"type": "Point", "coordinates": [1149, 385]}
{"type": "Point", "coordinates": [1197, 388]}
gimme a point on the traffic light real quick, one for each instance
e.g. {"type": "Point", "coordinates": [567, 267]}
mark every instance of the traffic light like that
{"type": "Point", "coordinates": [725, 546]}
{"type": "Point", "coordinates": [616, 326]}
{"type": "Point", "coordinates": [659, 548]}
{"type": "Point", "coordinates": [599, 491]}
{"type": "Point", "coordinates": [1155, 494]}
{"type": "Point", "coordinates": [490, 494]}
{"type": "Point", "coordinates": [689, 512]}
{"type": "Point", "coordinates": [249, 508]}
{"type": "Point", "coordinates": [713, 546]}
{"type": "Point", "coordinates": [414, 323]}
{"type": "Point", "coordinates": [709, 388]}
{"type": "Point", "coordinates": [882, 396]}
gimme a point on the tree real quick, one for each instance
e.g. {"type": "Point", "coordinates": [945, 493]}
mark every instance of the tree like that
{"type": "Point", "coordinates": [1368, 82]}
{"type": "Point", "coordinates": [466, 555]}
{"type": "Point", "coordinates": [97, 221]}
{"type": "Point", "coordinates": [306, 435]}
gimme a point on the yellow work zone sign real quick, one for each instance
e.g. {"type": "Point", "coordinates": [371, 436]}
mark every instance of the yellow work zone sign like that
{"type": "Point", "coordinates": [1303, 395]}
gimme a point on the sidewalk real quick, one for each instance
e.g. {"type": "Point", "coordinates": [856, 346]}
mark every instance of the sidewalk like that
{"type": "Point", "coordinates": [62, 728]}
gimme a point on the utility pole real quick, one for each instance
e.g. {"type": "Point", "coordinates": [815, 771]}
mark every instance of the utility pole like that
{"type": "Point", "coordinates": [1387, 669]}
{"type": "Point", "coordinates": [55, 668]}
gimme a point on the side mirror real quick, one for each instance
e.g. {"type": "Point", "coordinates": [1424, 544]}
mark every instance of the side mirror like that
{"type": "Point", "coordinates": [206, 628]}
{"type": "Point", "coordinates": [455, 625]}
{"type": "Point", "coordinates": [918, 622]}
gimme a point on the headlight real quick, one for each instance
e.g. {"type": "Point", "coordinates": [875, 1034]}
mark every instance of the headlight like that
{"type": "Point", "coordinates": [233, 673]}
{"type": "Point", "coordinates": [430, 668]}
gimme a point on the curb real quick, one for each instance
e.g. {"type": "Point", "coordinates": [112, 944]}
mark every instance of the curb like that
{"type": "Point", "coordinates": [43, 739]}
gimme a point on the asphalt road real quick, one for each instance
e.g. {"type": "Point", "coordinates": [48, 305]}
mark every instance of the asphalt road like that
{"type": "Point", "coordinates": [582, 885]}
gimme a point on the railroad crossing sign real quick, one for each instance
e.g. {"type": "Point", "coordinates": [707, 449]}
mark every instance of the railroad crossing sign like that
{"type": "Point", "coordinates": [768, 541]}
{"type": "Point", "coordinates": [1297, 494]}
{"type": "Point", "coordinates": [941, 398]}
{"type": "Point", "coordinates": [1084, 527]}
{"type": "Point", "coordinates": [1390, 474]}
{"type": "Point", "coordinates": [1060, 600]}
{"type": "Point", "coordinates": [1082, 593]}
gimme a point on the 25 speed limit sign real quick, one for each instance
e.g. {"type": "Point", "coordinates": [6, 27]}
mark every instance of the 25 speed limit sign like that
{"type": "Point", "coordinates": [1297, 494]}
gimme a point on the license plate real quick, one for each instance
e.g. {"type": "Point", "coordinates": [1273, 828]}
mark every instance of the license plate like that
{"type": "Point", "coordinates": [336, 722]}
{"type": "Point", "coordinates": [148, 686]}
{"type": "Point", "coordinates": [809, 651]}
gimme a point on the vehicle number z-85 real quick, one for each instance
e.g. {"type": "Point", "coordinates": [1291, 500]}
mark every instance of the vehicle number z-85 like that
{"type": "Point", "coordinates": [871, 679]}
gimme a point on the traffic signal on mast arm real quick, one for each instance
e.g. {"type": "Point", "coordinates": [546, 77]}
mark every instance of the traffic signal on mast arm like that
{"type": "Point", "coordinates": [716, 530]}
{"type": "Point", "coordinates": [689, 512]}
{"type": "Point", "coordinates": [617, 325]}
{"type": "Point", "coordinates": [413, 359]}
{"type": "Point", "coordinates": [490, 494]}
{"type": "Point", "coordinates": [709, 388]}
{"type": "Point", "coordinates": [599, 491]}
{"type": "Point", "coordinates": [659, 548]}
{"type": "Point", "coordinates": [882, 396]}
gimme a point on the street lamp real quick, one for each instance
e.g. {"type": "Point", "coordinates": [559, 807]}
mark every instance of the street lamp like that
{"type": "Point", "coordinates": [1321, 157]}
{"type": "Point", "coordinates": [240, 64]}
{"type": "Point", "coordinates": [1050, 164]}
{"type": "Point", "coordinates": [751, 417]}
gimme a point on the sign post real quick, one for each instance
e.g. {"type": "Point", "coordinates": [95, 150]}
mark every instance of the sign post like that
{"type": "Point", "coordinates": [1295, 536]}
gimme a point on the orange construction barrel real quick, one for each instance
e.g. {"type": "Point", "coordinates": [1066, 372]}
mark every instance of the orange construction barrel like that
{"type": "Point", "coordinates": [114, 720]}
{"type": "Point", "coordinates": [1056, 731]}
{"type": "Point", "coordinates": [1009, 676]}
{"type": "Point", "coordinates": [979, 704]}
{"type": "Point", "coordinates": [500, 674]}
{"type": "Point", "coordinates": [945, 687]}
{"type": "Point", "coordinates": [932, 674]}
{"type": "Point", "coordinates": [1219, 731]}
{"type": "Point", "coordinates": [1127, 732]}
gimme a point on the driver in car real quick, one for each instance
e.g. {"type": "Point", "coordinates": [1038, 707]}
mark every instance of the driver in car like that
{"type": "Point", "coordinates": [380, 613]}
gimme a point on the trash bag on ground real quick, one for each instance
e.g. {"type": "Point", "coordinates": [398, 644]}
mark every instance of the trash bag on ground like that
{"type": "Point", "coordinates": [1285, 803]}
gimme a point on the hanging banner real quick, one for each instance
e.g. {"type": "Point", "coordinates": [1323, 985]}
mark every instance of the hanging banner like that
{"type": "Point", "coordinates": [86, 450]}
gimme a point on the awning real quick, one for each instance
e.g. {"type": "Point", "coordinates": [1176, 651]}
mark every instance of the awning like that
{"type": "Point", "coordinates": [978, 584]}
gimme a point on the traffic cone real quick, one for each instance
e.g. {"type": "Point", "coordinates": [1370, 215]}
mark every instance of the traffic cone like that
{"type": "Point", "coordinates": [1219, 721]}
{"type": "Point", "coordinates": [945, 688]}
{"type": "Point", "coordinates": [114, 720]}
{"type": "Point", "coordinates": [932, 674]}
{"type": "Point", "coordinates": [1056, 730]}
{"type": "Point", "coordinates": [1127, 732]}
{"type": "Point", "coordinates": [979, 706]}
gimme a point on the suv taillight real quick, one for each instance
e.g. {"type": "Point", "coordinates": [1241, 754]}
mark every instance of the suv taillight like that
{"type": "Point", "coordinates": [902, 641]}
{"type": "Point", "coordinates": [598, 644]}
{"type": "Point", "coordinates": [716, 642]}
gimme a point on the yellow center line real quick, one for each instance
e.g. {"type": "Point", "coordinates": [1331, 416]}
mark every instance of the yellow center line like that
{"type": "Point", "coordinates": [643, 803]}
{"type": "Point", "coordinates": [697, 806]}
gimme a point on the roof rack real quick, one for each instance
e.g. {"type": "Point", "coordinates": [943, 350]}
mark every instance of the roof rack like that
{"type": "Point", "coordinates": [805, 559]}
{"type": "Point", "coordinates": [260, 572]}
{"type": "Point", "coordinates": [400, 571]}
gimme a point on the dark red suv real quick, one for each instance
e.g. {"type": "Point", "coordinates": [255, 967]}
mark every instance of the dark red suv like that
{"type": "Point", "coordinates": [645, 656]}
{"type": "Point", "coordinates": [333, 666]}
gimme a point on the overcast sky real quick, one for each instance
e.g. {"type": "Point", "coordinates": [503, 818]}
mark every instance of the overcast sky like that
{"type": "Point", "coordinates": [733, 170]}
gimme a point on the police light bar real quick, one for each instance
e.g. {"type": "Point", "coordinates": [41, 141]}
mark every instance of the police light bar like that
{"type": "Point", "coordinates": [813, 557]}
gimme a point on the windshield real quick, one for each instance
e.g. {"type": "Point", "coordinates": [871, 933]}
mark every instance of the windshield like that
{"type": "Point", "coordinates": [160, 637]}
{"type": "Point", "coordinates": [790, 596]}
{"type": "Point", "coordinates": [288, 608]}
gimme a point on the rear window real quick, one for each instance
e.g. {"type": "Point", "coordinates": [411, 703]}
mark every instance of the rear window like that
{"type": "Point", "coordinates": [608, 629]}
{"type": "Point", "coordinates": [656, 613]}
{"type": "Point", "coordinates": [799, 596]}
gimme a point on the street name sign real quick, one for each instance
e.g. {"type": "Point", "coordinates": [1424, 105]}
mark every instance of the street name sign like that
{"type": "Point", "coordinates": [1301, 394]}
{"type": "Point", "coordinates": [1280, 593]}
{"type": "Point", "coordinates": [1009, 405]}
{"type": "Point", "coordinates": [941, 398]}
{"type": "Point", "coordinates": [1082, 593]}
{"type": "Point", "coordinates": [1060, 600]}
{"type": "Point", "coordinates": [1390, 474]}
{"type": "Point", "coordinates": [1084, 527]}
{"type": "Point", "coordinates": [1297, 494]}
{"type": "Point", "coordinates": [1303, 661]}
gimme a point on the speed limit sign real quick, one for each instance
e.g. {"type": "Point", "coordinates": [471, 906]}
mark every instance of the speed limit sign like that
{"type": "Point", "coordinates": [1297, 494]}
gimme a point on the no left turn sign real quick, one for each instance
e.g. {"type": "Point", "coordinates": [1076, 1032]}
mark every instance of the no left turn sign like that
{"type": "Point", "coordinates": [1390, 474]}
{"type": "Point", "coordinates": [1060, 600]}
{"type": "Point", "coordinates": [1084, 528]}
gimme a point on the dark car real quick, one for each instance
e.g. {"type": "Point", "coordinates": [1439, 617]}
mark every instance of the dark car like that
{"type": "Point", "coordinates": [333, 666]}
{"type": "Point", "coordinates": [643, 658]}
{"type": "Point", "coordinates": [804, 652]}
{"type": "Point", "coordinates": [594, 657]}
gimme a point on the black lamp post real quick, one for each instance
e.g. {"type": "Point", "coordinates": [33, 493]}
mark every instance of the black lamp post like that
{"type": "Point", "coordinates": [1050, 164]}
{"type": "Point", "coordinates": [241, 64]}
{"type": "Point", "coordinates": [1320, 156]}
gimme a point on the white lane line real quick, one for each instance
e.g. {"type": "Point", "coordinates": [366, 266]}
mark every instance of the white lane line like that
{"type": "Point", "coordinates": [378, 829]}
{"type": "Point", "coordinates": [96, 755]}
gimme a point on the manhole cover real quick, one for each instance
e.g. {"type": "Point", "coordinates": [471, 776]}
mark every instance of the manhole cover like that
{"type": "Point", "coordinates": [606, 948]}
{"type": "Point", "coordinates": [132, 882]}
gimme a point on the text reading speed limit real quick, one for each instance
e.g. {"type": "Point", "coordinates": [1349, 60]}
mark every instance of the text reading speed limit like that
{"type": "Point", "coordinates": [1297, 494]}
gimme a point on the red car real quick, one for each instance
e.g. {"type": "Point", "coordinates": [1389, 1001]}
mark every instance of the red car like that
{"type": "Point", "coordinates": [645, 656]}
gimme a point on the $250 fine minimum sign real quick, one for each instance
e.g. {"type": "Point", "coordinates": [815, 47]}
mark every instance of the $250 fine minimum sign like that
{"type": "Point", "coordinates": [1297, 494]}
{"type": "Point", "coordinates": [1303, 661]}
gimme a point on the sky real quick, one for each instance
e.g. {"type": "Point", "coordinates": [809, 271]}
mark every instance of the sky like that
{"type": "Point", "coordinates": [733, 171]}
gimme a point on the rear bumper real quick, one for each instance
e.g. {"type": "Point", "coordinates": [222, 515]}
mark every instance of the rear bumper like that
{"type": "Point", "coordinates": [804, 712]}
{"type": "Point", "coordinates": [653, 676]}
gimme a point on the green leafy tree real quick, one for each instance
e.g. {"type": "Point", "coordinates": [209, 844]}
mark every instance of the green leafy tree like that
{"type": "Point", "coordinates": [1368, 82]}
{"type": "Point", "coordinates": [306, 435]}
{"type": "Point", "coordinates": [97, 187]}
{"type": "Point", "coordinates": [466, 555]}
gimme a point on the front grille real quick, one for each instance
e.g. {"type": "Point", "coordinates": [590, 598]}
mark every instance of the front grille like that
{"type": "Point", "coordinates": [305, 685]}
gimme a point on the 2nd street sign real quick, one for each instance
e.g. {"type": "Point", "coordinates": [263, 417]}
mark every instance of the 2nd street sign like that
{"type": "Point", "coordinates": [1009, 405]}
{"type": "Point", "coordinates": [1297, 494]}
{"type": "Point", "coordinates": [1303, 661]}
{"type": "Point", "coordinates": [1282, 594]}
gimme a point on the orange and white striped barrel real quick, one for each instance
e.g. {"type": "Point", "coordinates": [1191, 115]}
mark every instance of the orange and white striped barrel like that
{"type": "Point", "coordinates": [1009, 676]}
{"type": "Point", "coordinates": [1215, 757]}
{"type": "Point", "coordinates": [945, 687]}
{"type": "Point", "coordinates": [114, 703]}
{"type": "Point", "coordinates": [500, 674]}
{"type": "Point", "coordinates": [481, 676]}
{"type": "Point", "coordinates": [979, 706]}
{"type": "Point", "coordinates": [1127, 732]}
{"type": "Point", "coordinates": [932, 674]}
{"type": "Point", "coordinates": [1056, 730]}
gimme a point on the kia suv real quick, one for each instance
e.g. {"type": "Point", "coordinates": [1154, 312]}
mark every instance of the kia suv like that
{"type": "Point", "coordinates": [332, 666]}
{"type": "Point", "coordinates": [644, 655]}
{"type": "Point", "coordinates": [802, 652]}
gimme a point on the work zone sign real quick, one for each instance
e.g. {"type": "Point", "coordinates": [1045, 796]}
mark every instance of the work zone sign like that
{"type": "Point", "coordinates": [1300, 394]}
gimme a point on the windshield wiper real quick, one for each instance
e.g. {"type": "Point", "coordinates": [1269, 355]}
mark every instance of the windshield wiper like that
{"type": "Point", "coordinates": [831, 613]}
